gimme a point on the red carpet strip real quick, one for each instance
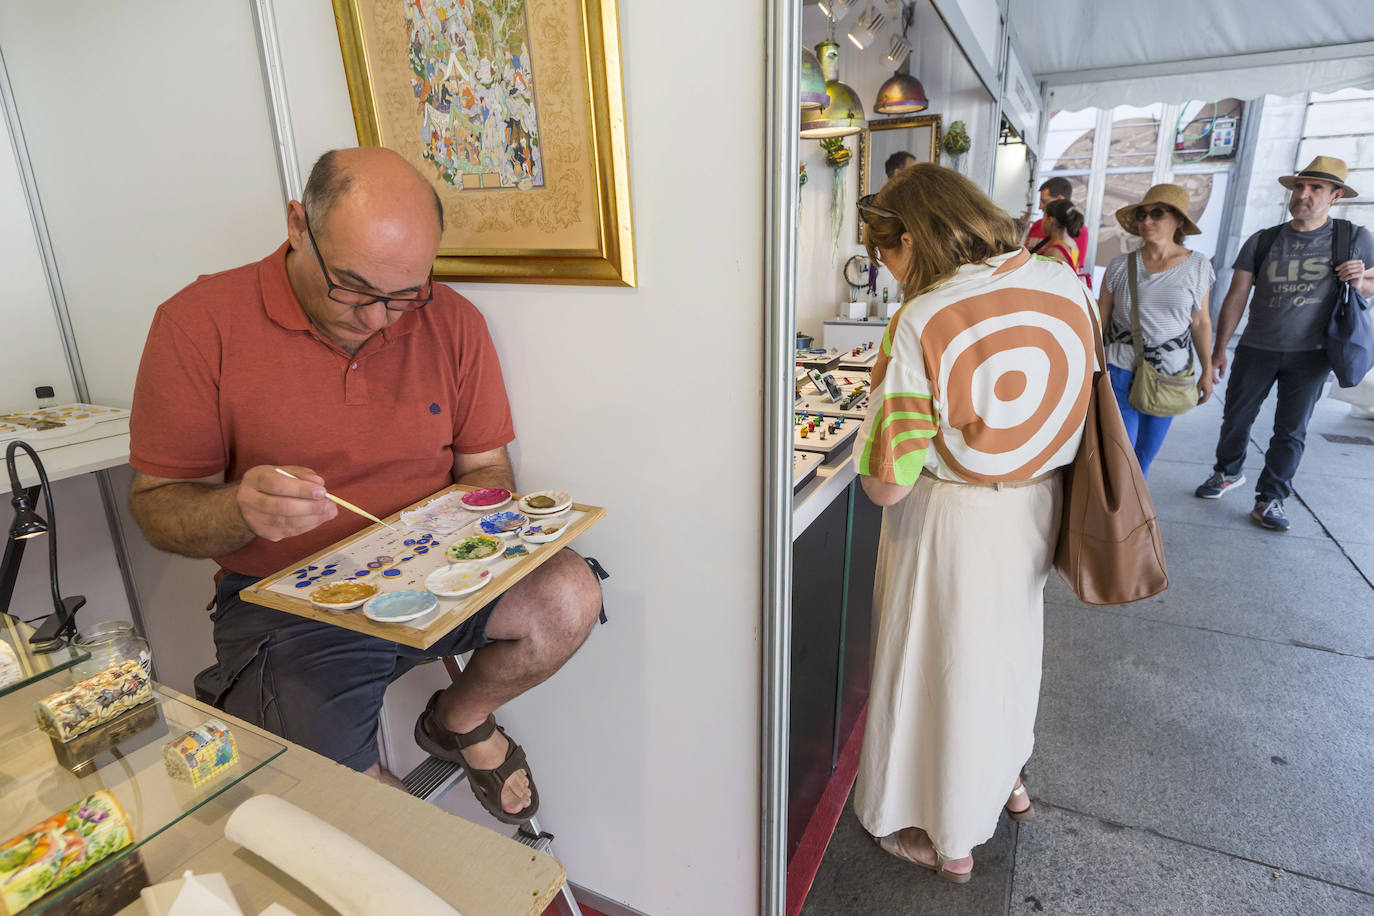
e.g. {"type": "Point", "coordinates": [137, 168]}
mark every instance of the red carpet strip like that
{"type": "Point", "coordinates": [806, 861]}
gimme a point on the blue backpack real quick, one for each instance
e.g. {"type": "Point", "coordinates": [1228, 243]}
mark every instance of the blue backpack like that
{"type": "Point", "coordinates": [1350, 333]}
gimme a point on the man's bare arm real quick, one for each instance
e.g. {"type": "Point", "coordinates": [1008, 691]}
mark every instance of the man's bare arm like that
{"type": "Point", "coordinates": [1232, 307]}
{"type": "Point", "coordinates": [205, 517]}
{"type": "Point", "coordinates": [484, 469]}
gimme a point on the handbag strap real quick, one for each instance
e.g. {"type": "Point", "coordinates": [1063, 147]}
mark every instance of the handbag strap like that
{"type": "Point", "coordinates": [1137, 335]}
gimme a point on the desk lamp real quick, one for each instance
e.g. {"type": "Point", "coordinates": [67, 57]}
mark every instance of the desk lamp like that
{"type": "Point", "coordinates": [61, 624]}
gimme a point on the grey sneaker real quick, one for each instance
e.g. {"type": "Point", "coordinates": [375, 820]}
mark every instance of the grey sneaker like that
{"type": "Point", "coordinates": [1217, 484]}
{"type": "Point", "coordinates": [1269, 513]}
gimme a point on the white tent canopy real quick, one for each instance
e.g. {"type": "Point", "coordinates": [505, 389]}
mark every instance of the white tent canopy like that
{"type": "Point", "coordinates": [1096, 54]}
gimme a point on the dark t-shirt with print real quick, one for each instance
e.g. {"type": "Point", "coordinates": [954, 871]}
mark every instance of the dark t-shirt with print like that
{"type": "Point", "coordinates": [1295, 288]}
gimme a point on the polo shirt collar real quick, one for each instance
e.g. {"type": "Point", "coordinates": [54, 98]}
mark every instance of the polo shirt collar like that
{"type": "Point", "coordinates": [280, 303]}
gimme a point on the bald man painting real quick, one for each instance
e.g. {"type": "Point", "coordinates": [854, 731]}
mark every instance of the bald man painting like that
{"type": "Point", "coordinates": [339, 359]}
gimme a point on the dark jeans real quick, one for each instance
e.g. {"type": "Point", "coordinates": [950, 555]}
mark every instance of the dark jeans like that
{"type": "Point", "coordinates": [313, 683]}
{"type": "Point", "coordinates": [1300, 376]}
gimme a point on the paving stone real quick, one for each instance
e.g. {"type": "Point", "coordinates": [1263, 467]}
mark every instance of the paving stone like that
{"type": "Point", "coordinates": [1343, 504]}
{"type": "Point", "coordinates": [1253, 749]}
{"type": "Point", "coordinates": [1362, 555]}
{"type": "Point", "coordinates": [1068, 864]}
{"type": "Point", "coordinates": [856, 877]}
{"type": "Point", "coordinates": [1171, 487]}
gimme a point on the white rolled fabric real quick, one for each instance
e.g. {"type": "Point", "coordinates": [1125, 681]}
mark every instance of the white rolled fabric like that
{"type": "Point", "coordinates": [345, 874]}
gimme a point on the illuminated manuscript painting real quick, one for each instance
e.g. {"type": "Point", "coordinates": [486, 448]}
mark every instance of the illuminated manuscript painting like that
{"type": "Point", "coordinates": [470, 66]}
{"type": "Point", "coordinates": [514, 111]}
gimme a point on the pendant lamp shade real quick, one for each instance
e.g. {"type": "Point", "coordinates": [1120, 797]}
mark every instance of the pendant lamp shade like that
{"type": "Point", "coordinates": [844, 115]}
{"type": "Point", "coordinates": [813, 94]}
{"type": "Point", "coordinates": [901, 94]}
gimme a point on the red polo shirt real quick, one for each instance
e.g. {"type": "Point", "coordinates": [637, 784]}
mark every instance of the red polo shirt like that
{"type": "Point", "coordinates": [234, 375]}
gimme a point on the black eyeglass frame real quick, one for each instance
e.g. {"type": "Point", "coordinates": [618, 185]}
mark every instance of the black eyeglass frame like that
{"type": "Point", "coordinates": [1156, 213]}
{"type": "Point", "coordinates": [411, 304]}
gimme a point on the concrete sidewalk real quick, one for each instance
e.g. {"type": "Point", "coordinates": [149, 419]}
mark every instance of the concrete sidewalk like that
{"type": "Point", "coordinates": [1207, 751]}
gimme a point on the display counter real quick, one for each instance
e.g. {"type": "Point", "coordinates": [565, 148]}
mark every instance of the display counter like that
{"type": "Point", "coordinates": [835, 530]}
{"type": "Point", "coordinates": [176, 827]}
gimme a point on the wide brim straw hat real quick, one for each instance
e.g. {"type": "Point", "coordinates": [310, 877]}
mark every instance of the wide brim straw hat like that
{"type": "Point", "coordinates": [1171, 195]}
{"type": "Point", "coordinates": [1324, 168]}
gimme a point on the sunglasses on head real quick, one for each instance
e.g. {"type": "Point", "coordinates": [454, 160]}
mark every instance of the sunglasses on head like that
{"type": "Point", "coordinates": [867, 204]}
{"type": "Point", "coordinates": [1154, 213]}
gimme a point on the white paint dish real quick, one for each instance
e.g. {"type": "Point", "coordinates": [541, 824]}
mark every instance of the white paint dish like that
{"type": "Point", "coordinates": [400, 607]}
{"type": "Point", "coordinates": [502, 524]}
{"type": "Point", "coordinates": [458, 579]}
{"type": "Point", "coordinates": [561, 502]}
{"type": "Point", "coordinates": [485, 499]}
{"type": "Point", "coordinates": [537, 531]}
{"type": "Point", "coordinates": [498, 547]}
{"type": "Point", "coordinates": [342, 605]}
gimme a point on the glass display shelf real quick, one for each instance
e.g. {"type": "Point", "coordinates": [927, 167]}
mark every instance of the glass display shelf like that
{"type": "Point", "coordinates": [33, 666]}
{"type": "Point", "coordinates": [40, 777]}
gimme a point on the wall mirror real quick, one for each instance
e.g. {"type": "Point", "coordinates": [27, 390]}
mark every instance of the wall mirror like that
{"type": "Point", "coordinates": [917, 134]}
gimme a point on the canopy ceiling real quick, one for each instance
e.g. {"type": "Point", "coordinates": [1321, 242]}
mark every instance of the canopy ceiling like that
{"type": "Point", "coordinates": [1100, 54]}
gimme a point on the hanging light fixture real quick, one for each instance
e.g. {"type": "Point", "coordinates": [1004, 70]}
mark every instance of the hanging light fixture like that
{"type": "Point", "coordinates": [901, 94]}
{"type": "Point", "coordinates": [835, 10]}
{"type": "Point", "coordinates": [844, 115]}
{"type": "Point", "coordinates": [866, 28]}
{"type": "Point", "coordinates": [813, 95]}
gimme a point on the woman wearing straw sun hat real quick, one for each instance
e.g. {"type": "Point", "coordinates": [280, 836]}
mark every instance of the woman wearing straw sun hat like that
{"type": "Point", "coordinates": [1154, 316]}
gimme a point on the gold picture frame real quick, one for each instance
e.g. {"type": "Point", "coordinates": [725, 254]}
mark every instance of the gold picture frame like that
{"type": "Point", "coordinates": [526, 147]}
{"type": "Point", "coordinates": [921, 138]}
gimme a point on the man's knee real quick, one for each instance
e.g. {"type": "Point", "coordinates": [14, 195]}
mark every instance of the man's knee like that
{"type": "Point", "coordinates": [578, 590]}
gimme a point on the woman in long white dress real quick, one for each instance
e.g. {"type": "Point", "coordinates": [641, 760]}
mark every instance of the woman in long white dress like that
{"type": "Point", "coordinates": [979, 397]}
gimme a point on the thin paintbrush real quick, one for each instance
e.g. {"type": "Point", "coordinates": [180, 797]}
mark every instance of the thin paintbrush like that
{"type": "Point", "coordinates": [342, 502]}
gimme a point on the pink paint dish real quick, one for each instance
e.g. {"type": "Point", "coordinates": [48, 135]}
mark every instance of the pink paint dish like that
{"type": "Point", "coordinates": [486, 498]}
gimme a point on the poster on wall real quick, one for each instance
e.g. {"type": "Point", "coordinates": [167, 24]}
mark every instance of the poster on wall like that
{"type": "Point", "coordinates": [514, 110]}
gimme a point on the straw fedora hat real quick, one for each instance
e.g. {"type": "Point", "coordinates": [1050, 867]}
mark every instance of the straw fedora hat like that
{"type": "Point", "coordinates": [1172, 196]}
{"type": "Point", "coordinates": [1325, 168]}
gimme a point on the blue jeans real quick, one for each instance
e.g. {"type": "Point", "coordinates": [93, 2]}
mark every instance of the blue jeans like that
{"type": "Point", "coordinates": [1146, 430]}
{"type": "Point", "coordinates": [1300, 376]}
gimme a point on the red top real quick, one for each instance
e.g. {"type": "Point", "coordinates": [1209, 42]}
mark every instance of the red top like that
{"type": "Point", "coordinates": [1037, 232]}
{"type": "Point", "coordinates": [234, 375]}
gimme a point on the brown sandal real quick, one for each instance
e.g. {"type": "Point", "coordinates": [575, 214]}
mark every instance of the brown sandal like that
{"type": "Point", "coordinates": [893, 845]}
{"type": "Point", "coordinates": [486, 784]}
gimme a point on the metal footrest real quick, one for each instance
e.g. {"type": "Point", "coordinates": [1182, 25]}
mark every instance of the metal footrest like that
{"type": "Point", "coordinates": [431, 780]}
{"type": "Point", "coordinates": [539, 841]}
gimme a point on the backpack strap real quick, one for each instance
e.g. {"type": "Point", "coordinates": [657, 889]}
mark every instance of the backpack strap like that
{"type": "Point", "coordinates": [1266, 240]}
{"type": "Point", "coordinates": [1342, 240]}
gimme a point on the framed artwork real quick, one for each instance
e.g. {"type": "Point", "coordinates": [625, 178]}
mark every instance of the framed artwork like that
{"type": "Point", "coordinates": [515, 112]}
{"type": "Point", "coordinates": [915, 134]}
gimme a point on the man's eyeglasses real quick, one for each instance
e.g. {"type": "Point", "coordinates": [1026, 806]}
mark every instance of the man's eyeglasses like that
{"type": "Point", "coordinates": [358, 298]}
{"type": "Point", "coordinates": [1155, 213]}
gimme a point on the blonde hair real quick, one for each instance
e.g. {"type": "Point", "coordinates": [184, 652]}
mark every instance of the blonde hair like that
{"type": "Point", "coordinates": [951, 222]}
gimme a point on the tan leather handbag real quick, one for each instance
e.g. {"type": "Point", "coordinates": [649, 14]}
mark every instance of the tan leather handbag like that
{"type": "Point", "coordinates": [1109, 550]}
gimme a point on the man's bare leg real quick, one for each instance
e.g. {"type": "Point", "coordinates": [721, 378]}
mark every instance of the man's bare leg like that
{"type": "Point", "coordinates": [537, 627]}
{"type": "Point", "coordinates": [385, 777]}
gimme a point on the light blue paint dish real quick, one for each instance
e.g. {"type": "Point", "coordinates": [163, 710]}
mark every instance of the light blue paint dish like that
{"type": "Point", "coordinates": [398, 607]}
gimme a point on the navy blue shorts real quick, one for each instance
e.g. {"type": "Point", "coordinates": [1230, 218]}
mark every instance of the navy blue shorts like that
{"type": "Point", "coordinates": [313, 683]}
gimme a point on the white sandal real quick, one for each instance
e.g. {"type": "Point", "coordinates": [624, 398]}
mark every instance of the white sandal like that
{"type": "Point", "coordinates": [1028, 812]}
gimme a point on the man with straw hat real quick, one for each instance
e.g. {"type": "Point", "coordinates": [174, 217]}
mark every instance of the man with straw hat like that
{"type": "Point", "coordinates": [1296, 269]}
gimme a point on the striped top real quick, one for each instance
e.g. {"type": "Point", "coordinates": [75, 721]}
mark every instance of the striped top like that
{"type": "Point", "coordinates": [1168, 300]}
{"type": "Point", "coordinates": [984, 378]}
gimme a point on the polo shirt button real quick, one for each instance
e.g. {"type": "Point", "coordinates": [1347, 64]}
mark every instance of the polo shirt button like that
{"type": "Point", "coordinates": [354, 366]}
